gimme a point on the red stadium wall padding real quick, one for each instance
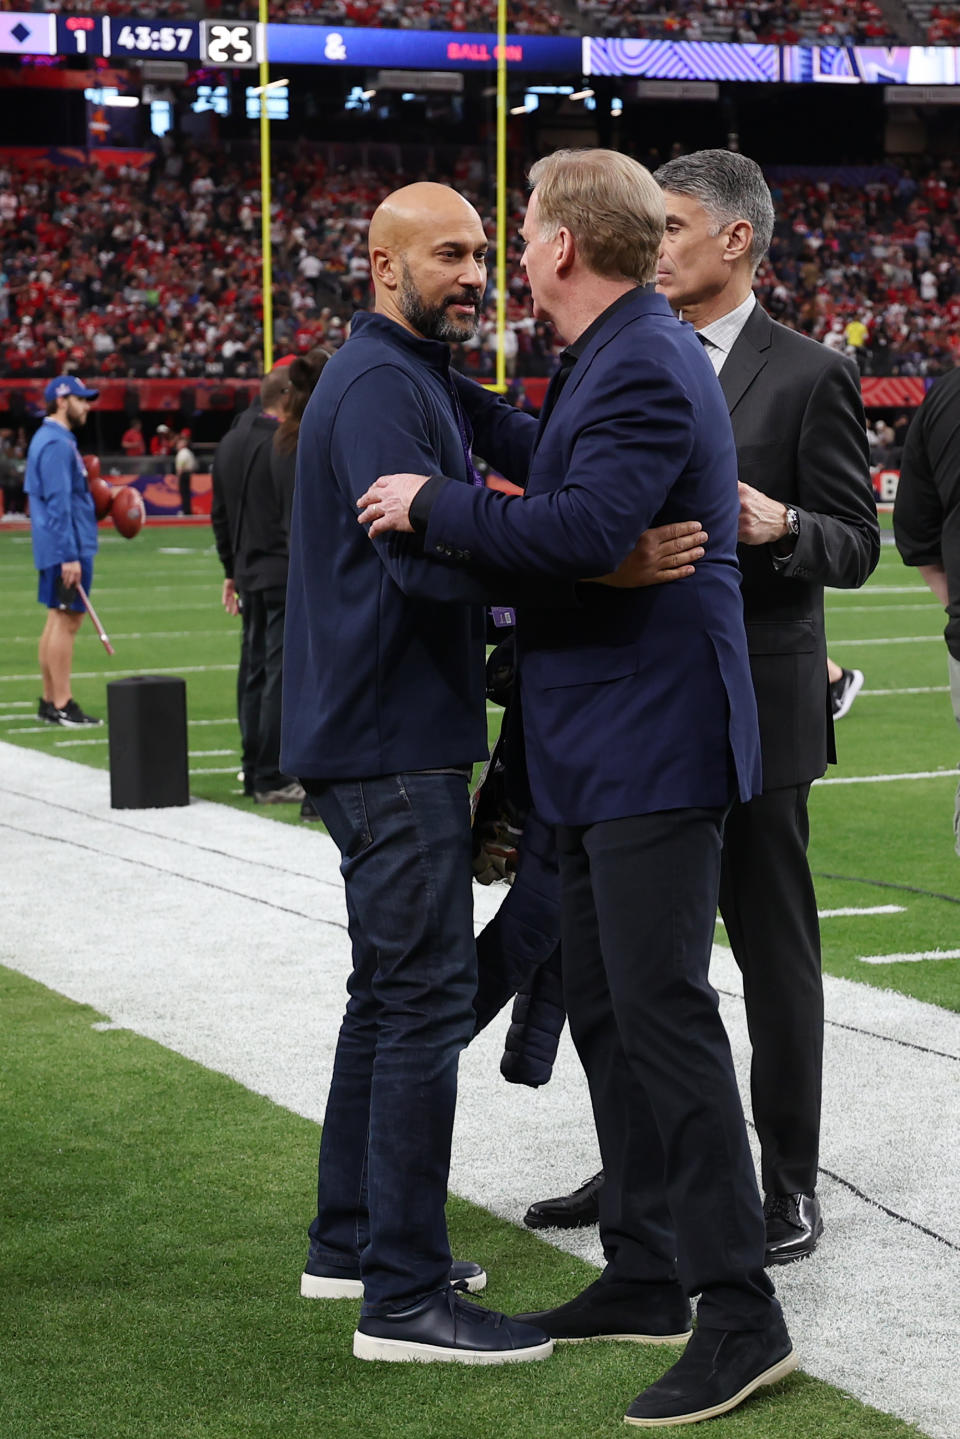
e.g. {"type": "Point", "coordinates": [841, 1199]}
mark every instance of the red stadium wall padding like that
{"type": "Point", "coordinates": [154, 394]}
{"type": "Point", "coordinates": [166, 395]}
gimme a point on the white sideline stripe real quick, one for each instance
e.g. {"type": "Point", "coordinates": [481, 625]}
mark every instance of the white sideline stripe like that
{"type": "Point", "coordinates": [13, 705]}
{"type": "Point", "coordinates": [242, 1012]}
{"type": "Point", "coordinates": [851, 911]}
{"type": "Point", "coordinates": [889, 778]}
{"type": "Point", "coordinates": [912, 690]}
{"type": "Point", "coordinates": [154, 670]}
{"type": "Point", "coordinates": [230, 769]}
{"type": "Point", "coordinates": [910, 958]}
{"type": "Point", "coordinates": [211, 753]}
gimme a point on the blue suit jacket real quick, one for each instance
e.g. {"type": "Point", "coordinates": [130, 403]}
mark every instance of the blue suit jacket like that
{"type": "Point", "coordinates": [638, 700]}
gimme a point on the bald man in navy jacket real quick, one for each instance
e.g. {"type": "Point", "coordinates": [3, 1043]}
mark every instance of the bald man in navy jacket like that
{"type": "Point", "coordinates": [640, 727]}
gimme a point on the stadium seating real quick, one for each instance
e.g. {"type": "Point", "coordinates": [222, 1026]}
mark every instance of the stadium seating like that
{"type": "Point", "coordinates": [120, 273]}
{"type": "Point", "coordinates": [788, 22]}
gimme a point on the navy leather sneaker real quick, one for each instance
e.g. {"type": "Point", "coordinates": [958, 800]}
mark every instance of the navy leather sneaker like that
{"type": "Point", "coordinates": [718, 1370]}
{"type": "Point", "coordinates": [323, 1281]}
{"type": "Point", "coordinates": [445, 1328]}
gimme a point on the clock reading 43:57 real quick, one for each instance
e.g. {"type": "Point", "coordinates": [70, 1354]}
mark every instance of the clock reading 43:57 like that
{"type": "Point", "coordinates": [153, 38]}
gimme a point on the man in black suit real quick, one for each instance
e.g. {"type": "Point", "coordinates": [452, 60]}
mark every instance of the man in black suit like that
{"type": "Point", "coordinates": [808, 519]}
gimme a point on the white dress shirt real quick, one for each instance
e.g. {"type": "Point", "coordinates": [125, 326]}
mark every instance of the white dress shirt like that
{"type": "Point", "coordinates": [719, 337]}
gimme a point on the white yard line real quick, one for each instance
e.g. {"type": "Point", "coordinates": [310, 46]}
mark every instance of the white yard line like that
{"type": "Point", "coordinates": [117, 672]}
{"type": "Point", "coordinates": [261, 905]}
{"type": "Point", "coordinates": [910, 958]}
{"type": "Point", "coordinates": [878, 590]}
{"type": "Point", "coordinates": [853, 911]}
{"type": "Point", "coordinates": [889, 778]}
{"type": "Point", "coordinates": [891, 640]}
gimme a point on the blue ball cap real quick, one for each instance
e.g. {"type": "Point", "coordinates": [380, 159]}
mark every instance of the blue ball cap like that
{"type": "Point", "coordinates": [67, 385]}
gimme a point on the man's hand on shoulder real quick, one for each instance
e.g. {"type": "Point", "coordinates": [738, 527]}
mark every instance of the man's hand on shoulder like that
{"type": "Point", "coordinates": [386, 505]}
{"type": "Point", "coordinates": [659, 556]}
{"type": "Point", "coordinates": [762, 520]}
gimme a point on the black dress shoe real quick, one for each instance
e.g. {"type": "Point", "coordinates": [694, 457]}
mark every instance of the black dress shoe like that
{"type": "Point", "coordinates": [638, 1313]}
{"type": "Point", "coordinates": [718, 1370]}
{"type": "Point", "coordinates": [569, 1211]}
{"type": "Point", "coordinates": [794, 1224]}
{"type": "Point", "coordinates": [447, 1328]}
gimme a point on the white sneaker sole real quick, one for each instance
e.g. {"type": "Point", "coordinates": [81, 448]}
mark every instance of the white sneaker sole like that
{"type": "Point", "coordinates": [780, 1370]}
{"type": "Point", "coordinates": [404, 1351]}
{"type": "Point", "coordinates": [313, 1287]}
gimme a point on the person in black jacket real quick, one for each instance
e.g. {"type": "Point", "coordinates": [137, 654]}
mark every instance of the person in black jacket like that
{"type": "Point", "coordinates": [926, 517]}
{"type": "Point", "coordinates": [252, 499]}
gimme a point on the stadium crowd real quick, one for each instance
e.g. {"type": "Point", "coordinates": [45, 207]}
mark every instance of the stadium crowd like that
{"type": "Point", "coordinates": [785, 22]}
{"type": "Point", "coordinates": [117, 273]}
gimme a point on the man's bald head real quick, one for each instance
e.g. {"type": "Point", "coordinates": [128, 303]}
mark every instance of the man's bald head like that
{"type": "Point", "coordinates": [404, 214]}
{"type": "Point", "coordinates": [427, 259]}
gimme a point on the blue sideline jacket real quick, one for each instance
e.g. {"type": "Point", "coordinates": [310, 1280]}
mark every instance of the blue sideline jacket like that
{"type": "Point", "coordinates": [639, 700]}
{"type": "Point", "coordinates": [63, 520]}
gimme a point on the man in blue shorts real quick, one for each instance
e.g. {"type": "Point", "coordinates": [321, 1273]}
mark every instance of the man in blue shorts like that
{"type": "Point", "coordinates": [63, 524]}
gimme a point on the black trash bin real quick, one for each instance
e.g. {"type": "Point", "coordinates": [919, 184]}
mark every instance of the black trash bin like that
{"type": "Point", "coordinates": [147, 715]}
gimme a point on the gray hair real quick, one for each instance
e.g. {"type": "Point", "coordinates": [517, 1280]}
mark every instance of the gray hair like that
{"type": "Point", "coordinates": [729, 186]}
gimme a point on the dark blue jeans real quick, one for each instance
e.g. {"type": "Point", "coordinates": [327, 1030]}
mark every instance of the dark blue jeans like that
{"type": "Point", "coordinates": [404, 842]}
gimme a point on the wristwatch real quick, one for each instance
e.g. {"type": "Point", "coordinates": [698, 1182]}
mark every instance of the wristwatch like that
{"type": "Point", "coordinates": [782, 549]}
{"type": "Point", "coordinates": [793, 523]}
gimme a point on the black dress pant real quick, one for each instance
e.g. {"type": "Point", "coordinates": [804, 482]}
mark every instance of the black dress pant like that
{"type": "Point", "coordinates": [769, 908]}
{"type": "Point", "coordinates": [263, 617]}
{"type": "Point", "coordinates": [680, 1200]}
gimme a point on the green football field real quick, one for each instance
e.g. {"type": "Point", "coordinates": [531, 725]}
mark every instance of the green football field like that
{"type": "Point", "coordinates": [153, 1211]}
{"type": "Point", "coordinates": [881, 824]}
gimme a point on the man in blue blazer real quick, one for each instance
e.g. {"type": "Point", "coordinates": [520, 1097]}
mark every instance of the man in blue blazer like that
{"type": "Point", "coordinates": [640, 728]}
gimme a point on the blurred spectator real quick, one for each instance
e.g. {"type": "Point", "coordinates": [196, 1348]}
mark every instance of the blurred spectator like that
{"type": "Point", "coordinates": [184, 467]}
{"type": "Point", "coordinates": [162, 441]}
{"type": "Point", "coordinates": [132, 442]}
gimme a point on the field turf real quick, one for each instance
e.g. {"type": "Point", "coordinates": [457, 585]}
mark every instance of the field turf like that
{"type": "Point", "coordinates": [878, 843]}
{"type": "Point", "coordinates": [153, 1217]}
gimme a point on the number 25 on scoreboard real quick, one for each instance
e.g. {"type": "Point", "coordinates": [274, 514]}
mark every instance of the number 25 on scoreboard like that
{"type": "Point", "coordinates": [229, 44]}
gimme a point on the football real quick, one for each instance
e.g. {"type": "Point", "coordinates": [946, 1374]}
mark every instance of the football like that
{"type": "Point", "coordinates": [92, 466]}
{"type": "Point", "coordinates": [102, 496]}
{"type": "Point", "coordinates": [128, 511]}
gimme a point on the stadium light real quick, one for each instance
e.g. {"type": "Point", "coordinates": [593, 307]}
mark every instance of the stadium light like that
{"type": "Point", "coordinates": [266, 89]}
{"type": "Point", "coordinates": [581, 95]}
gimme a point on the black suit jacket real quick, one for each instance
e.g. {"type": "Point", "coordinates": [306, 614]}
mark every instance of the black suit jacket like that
{"type": "Point", "coordinates": [800, 433]}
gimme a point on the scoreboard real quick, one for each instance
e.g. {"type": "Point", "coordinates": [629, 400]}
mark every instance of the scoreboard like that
{"type": "Point", "coordinates": [118, 37]}
{"type": "Point", "coordinates": [226, 43]}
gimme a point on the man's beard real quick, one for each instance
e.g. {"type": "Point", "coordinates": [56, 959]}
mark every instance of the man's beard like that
{"type": "Point", "coordinates": [76, 422]}
{"type": "Point", "coordinates": [432, 321]}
